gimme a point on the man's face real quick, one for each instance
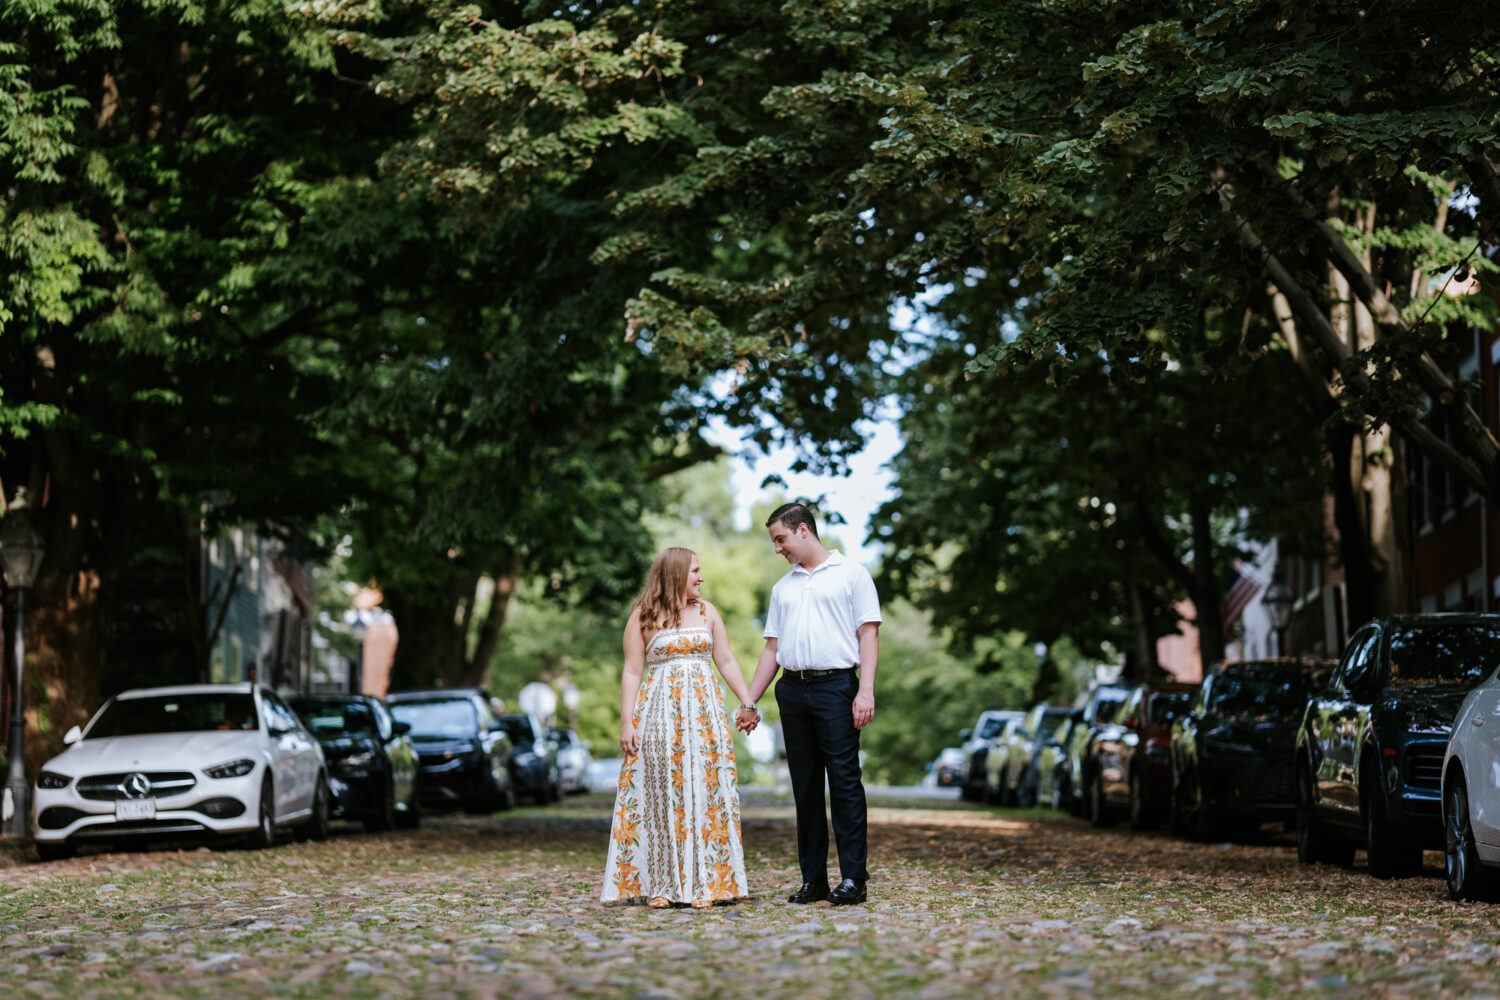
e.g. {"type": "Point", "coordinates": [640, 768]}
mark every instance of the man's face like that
{"type": "Point", "coordinates": [789, 544]}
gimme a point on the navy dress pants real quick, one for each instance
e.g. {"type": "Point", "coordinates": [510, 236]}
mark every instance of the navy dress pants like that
{"type": "Point", "coordinates": [817, 725]}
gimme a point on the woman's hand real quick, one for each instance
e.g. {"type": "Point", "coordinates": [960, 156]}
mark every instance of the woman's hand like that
{"type": "Point", "coordinates": [630, 740]}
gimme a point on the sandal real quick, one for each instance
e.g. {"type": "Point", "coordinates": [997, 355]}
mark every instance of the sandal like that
{"type": "Point", "coordinates": [659, 902]}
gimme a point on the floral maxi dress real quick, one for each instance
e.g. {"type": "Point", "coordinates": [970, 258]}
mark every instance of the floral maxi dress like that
{"type": "Point", "coordinates": [677, 815]}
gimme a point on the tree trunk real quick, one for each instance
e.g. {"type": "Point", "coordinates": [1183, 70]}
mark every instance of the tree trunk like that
{"type": "Point", "coordinates": [1206, 593]}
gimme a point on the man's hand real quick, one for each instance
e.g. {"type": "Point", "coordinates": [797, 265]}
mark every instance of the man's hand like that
{"type": "Point", "coordinates": [864, 709]}
{"type": "Point", "coordinates": [746, 720]}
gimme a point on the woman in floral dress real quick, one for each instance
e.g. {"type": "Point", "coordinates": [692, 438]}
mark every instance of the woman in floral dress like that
{"type": "Point", "coordinates": [676, 836]}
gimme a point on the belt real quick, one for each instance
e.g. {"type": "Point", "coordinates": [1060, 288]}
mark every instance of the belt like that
{"type": "Point", "coordinates": [807, 675]}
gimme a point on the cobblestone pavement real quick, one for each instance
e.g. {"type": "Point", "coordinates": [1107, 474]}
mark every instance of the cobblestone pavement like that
{"type": "Point", "coordinates": [964, 902]}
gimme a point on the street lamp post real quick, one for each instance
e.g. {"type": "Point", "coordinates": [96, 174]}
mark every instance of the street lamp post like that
{"type": "Point", "coordinates": [1278, 600]}
{"type": "Point", "coordinates": [21, 551]}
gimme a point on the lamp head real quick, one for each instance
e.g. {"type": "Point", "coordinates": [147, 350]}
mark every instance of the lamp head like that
{"type": "Point", "coordinates": [21, 546]}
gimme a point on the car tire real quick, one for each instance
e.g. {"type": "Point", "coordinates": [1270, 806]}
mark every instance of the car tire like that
{"type": "Point", "coordinates": [1315, 844]}
{"type": "Point", "coordinates": [1142, 816]}
{"type": "Point", "coordinates": [384, 816]}
{"type": "Point", "coordinates": [1026, 791]}
{"type": "Point", "coordinates": [1098, 809]}
{"type": "Point", "coordinates": [1387, 854]}
{"type": "Point", "coordinates": [54, 852]}
{"type": "Point", "coordinates": [315, 827]}
{"type": "Point", "coordinates": [411, 817]}
{"type": "Point", "coordinates": [508, 796]}
{"type": "Point", "coordinates": [264, 834]}
{"type": "Point", "coordinates": [1468, 879]}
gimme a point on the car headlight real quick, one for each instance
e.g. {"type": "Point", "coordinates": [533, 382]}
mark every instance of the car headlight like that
{"type": "Point", "coordinates": [362, 759]}
{"type": "Point", "coordinates": [51, 779]}
{"type": "Point", "coordinates": [231, 769]}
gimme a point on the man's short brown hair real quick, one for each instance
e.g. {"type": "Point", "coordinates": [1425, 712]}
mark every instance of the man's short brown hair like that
{"type": "Point", "coordinates": [793, 514]}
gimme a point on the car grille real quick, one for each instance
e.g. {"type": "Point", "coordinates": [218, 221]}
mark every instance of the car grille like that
{"type": "Point", "coordinates": [1424, 766]}
{"type": "Point", "coordinates": [110, 787]}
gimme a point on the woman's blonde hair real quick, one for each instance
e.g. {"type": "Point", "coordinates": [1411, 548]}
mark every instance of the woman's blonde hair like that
{"type": "Point", "coordinates": [665, 595]}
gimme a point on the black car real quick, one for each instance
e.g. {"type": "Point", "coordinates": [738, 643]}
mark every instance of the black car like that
{"type": "Point", "coordinates": [1097, 711]}
{"type": "Point", "coordinates": [372, 768]}
{"type": "Point", "coordinates": [534, 764]}
{"type": "Point", "coordinates": [1232, 752]}
{"type": "Point", "coordinates": [464, 750]}
{"type": "Point", "coordinates": [1370, 747]}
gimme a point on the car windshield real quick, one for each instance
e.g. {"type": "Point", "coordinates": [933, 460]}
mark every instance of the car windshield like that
{"type": "Point", "coordinates": [1168, 705]}
{"type": "Point", "coordinates": [519, 731]}
{"type": "Point", "coordinates": [1260, 694]}
{"type": "Point", "coordinates": [1107, 707]}
{"type": "Point", "coordinates": [1049, 724]}
{"type": "Point", "coordinates": [991, 728]}
{"type": "Point", "coordinates": [448, 717]}
{"type": "Point", "coordinates": [178, 713]}
{"type": "Point", "coordinates": [1447, 654]}
{"type": "Point", "coordinates": [334, 716]}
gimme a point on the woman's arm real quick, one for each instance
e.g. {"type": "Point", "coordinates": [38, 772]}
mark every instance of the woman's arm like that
{"type": "Point", "coordinates": [630, 683]}
{"type": "Point", "coordinates": [729, 667]}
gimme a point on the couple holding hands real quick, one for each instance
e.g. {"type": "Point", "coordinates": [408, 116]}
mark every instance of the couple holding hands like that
{"type": "Point", "coordinates": [676, 830]}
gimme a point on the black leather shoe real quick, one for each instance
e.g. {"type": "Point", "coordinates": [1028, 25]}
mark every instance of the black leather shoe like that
{"type": "Point", "coordinates": [811, 892]}
{"type": "Point", "coordinates": [848, 893]}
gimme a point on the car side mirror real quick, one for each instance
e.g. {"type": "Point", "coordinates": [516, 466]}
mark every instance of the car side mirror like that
{"type": "Point", "coordinates": [400, 728]}
{"type": "Point", "coordinates": [965, 733]}
{"type": "Point", "coordinates": [277, 728]}
{"type": "Point", "coordinates": [72, 736]}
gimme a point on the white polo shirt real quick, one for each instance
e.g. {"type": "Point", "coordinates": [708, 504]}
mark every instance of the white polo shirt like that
{"type": "Point", "coordinates": [815, 615]}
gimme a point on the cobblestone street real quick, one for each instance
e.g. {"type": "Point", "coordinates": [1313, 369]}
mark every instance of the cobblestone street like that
{"type": "Point", "coordinates": [964, 902]}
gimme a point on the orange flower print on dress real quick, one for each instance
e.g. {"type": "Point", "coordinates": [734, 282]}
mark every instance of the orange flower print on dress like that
{"type": "Point", "coordinates": [676, 830]}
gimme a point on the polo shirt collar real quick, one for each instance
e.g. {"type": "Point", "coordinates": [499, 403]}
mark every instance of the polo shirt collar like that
{"type": "Point", "coordinates": [835, 557]}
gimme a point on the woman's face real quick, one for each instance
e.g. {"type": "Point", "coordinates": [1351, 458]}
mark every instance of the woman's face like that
{"type": "Point", "coordinates": [695, 580]}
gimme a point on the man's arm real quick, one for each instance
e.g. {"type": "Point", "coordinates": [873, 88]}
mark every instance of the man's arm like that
{"type": "Point", "coordinates": [869, 659]}
{"type": "Point", "coordinates": [765, 671]}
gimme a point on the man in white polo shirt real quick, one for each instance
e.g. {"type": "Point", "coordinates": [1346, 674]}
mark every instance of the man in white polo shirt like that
{"type": "Point", "coordinates": [822, 631]}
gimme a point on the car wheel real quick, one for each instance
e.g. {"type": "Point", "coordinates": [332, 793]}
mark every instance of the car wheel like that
{"type": "Point", "coordinates": [1389, 856]}
{"type": "Point", "coordinates": [1141, 817]}
{"type": "Point", "coordinates": [54, 852]}
{"type": "Point", "coordinates": [1098, 810]}
{"type": "Point", "coordinates": [1467, 877]}
{"type": "Point", "coordinates": [411, 817]}
{"type": "Point", "coordinates": [315, 827]}
{"type": "Point", "coordinates": [384, 816]}
{"type": "Point", "coordinates": [1026, 792]}
{"type": "Point", "coordinates": [1315, 845]}
{"type": "Point", "coordinates": [264, 834]}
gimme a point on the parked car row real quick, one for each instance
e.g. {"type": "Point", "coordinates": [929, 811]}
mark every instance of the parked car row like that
{"type": "Point", "coordinates": [1394, 749]}
{"type": "Point", "coordinates": [221, 761]}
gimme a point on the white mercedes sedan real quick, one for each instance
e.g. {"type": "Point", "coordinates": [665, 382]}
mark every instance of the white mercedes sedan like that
{"type": "Point", "coordinates": [202, 760]}
{"type": "Point", "coordinates": [1471, 796]}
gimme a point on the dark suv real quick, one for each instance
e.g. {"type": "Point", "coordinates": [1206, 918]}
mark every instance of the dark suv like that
{"type": "Point", "coordinates": [1370, 747]}
{"type": "Point", "coordinates": [464, 750]}
{"type": "Point", "coordinates": [1232, 751]}
{"type": "Point", "coordinates": [534, 763]}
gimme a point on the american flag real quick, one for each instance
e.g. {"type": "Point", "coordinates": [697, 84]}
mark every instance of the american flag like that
{"type": "Point", "coordinates": [1242, 590]}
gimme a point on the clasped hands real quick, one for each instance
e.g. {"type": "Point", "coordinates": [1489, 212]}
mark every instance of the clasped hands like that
{"type": "Point", "coordinates": [745, 720]}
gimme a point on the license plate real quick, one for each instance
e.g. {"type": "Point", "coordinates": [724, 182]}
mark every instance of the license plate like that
{"type": "Point", "coordinates": [135, 809]}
